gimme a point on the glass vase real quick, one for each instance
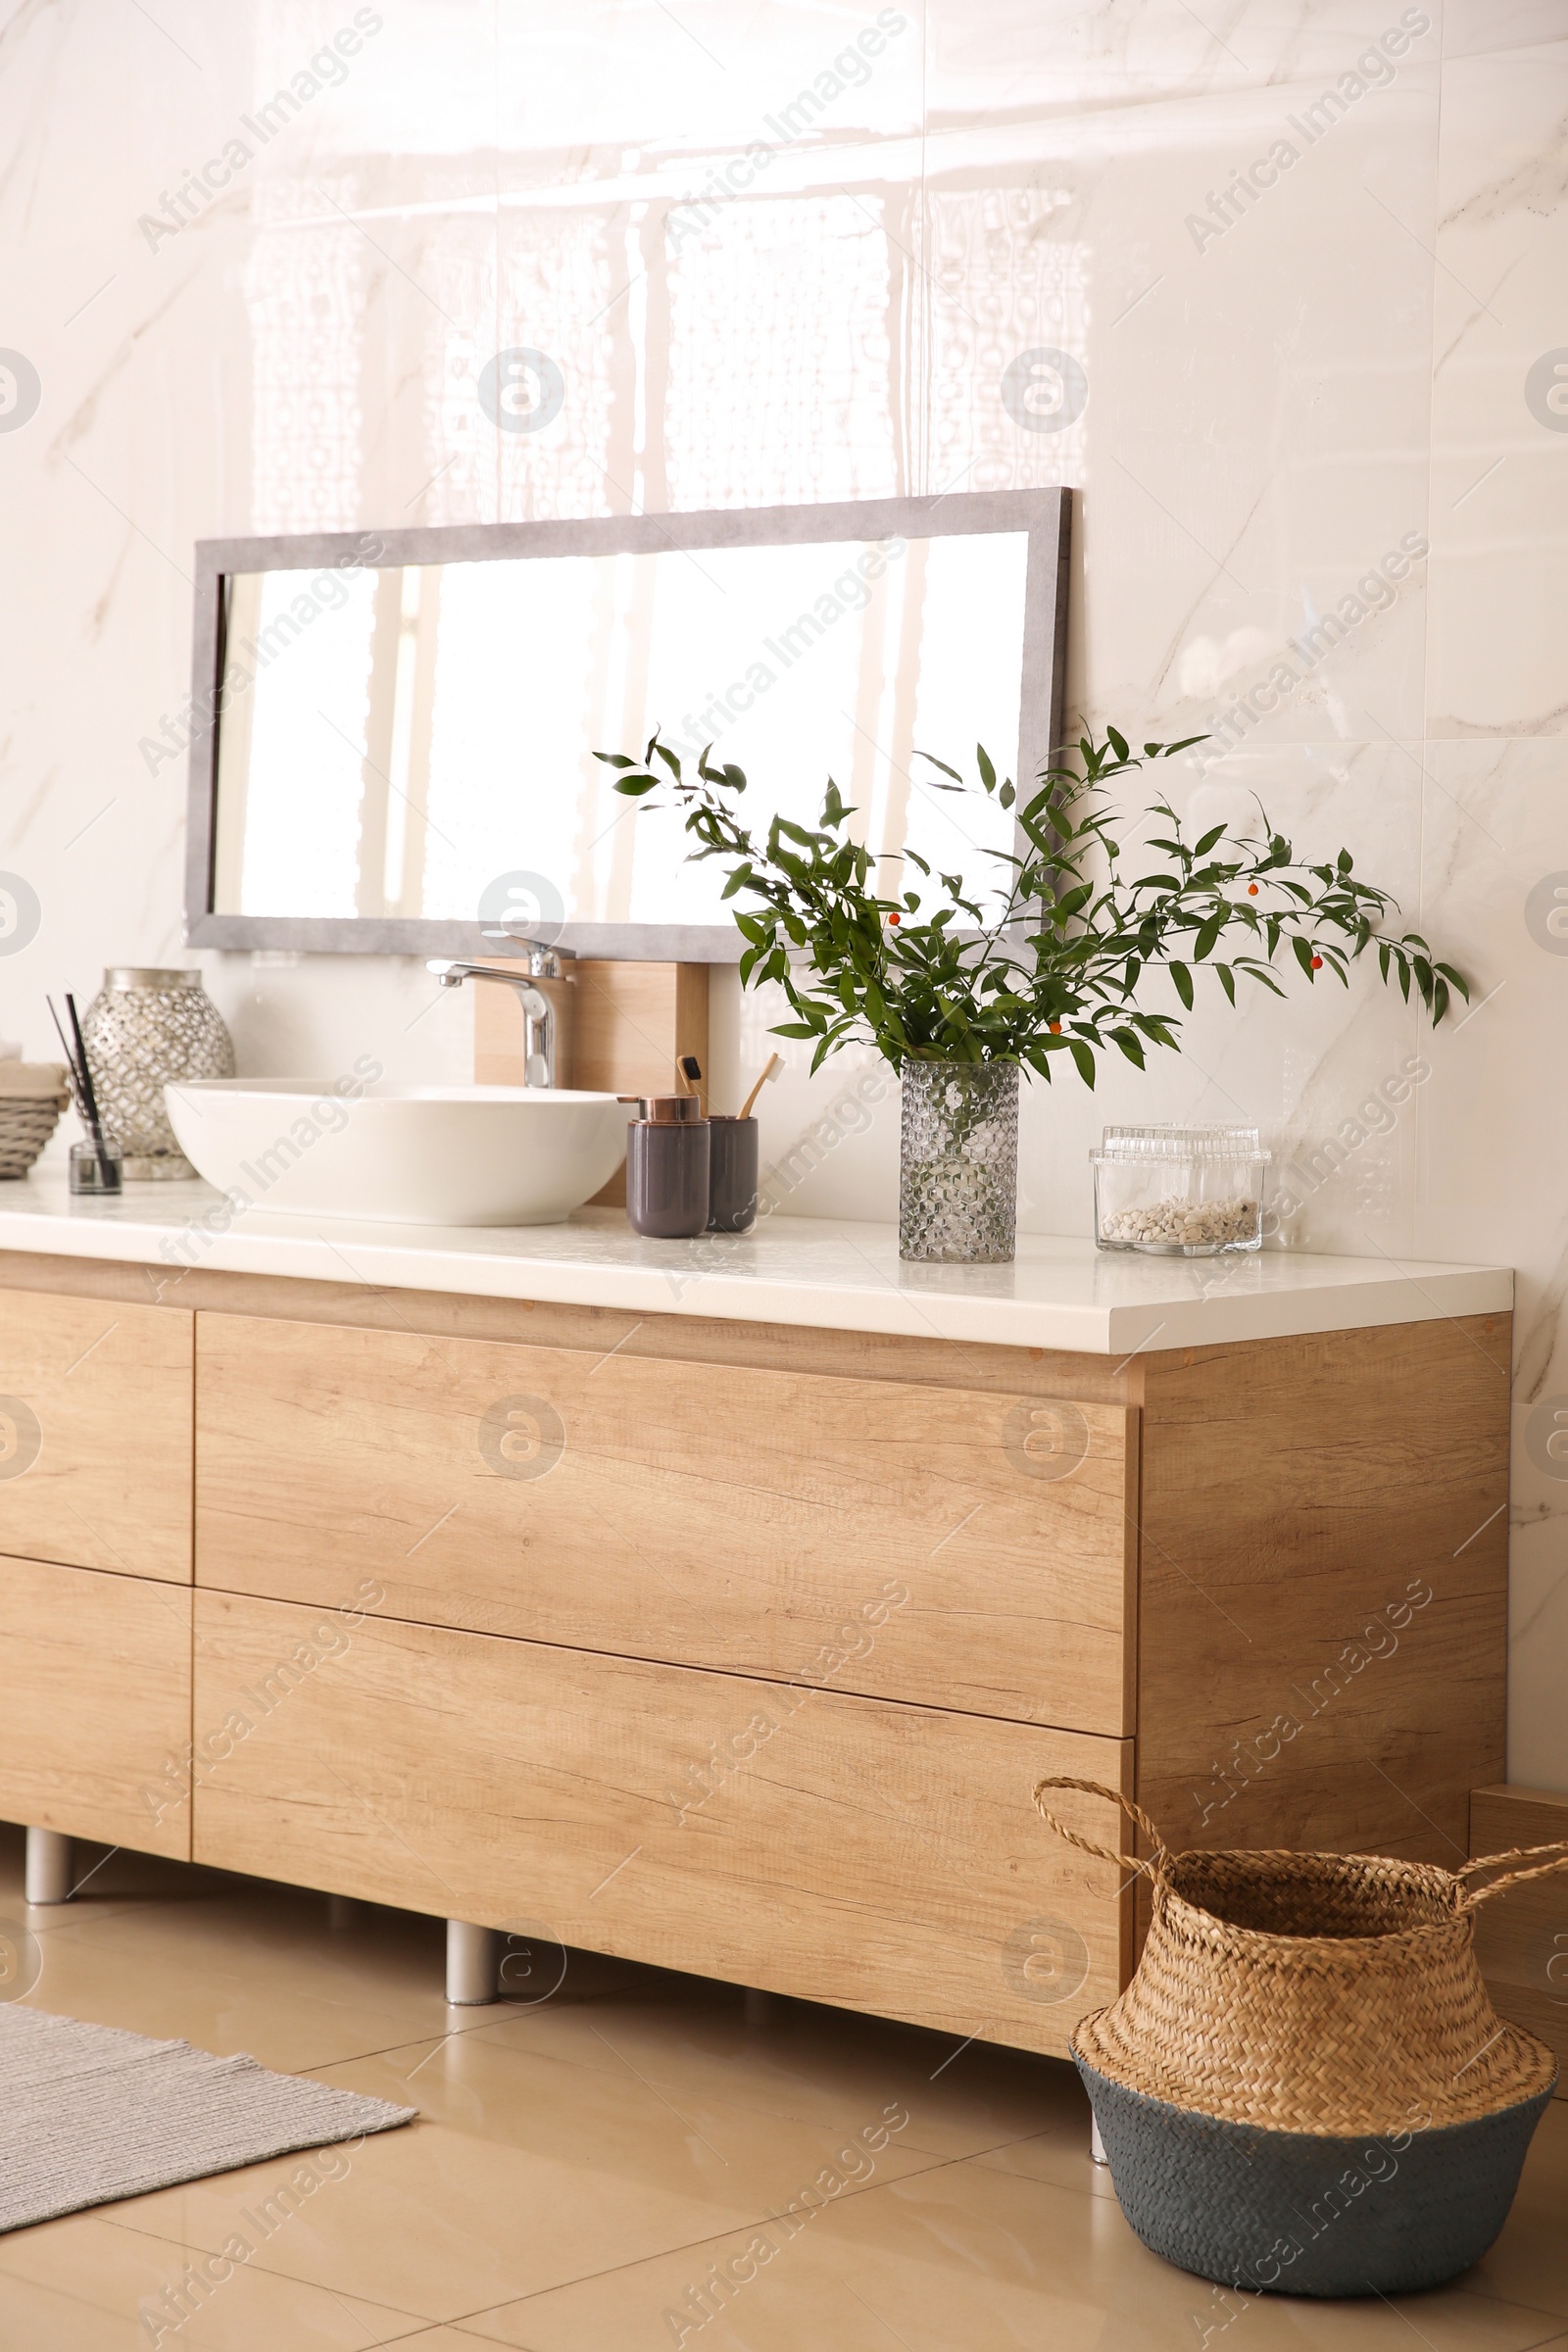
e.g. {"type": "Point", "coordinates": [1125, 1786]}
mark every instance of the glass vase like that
{"type": "Point", "coordinates": [959, 1162]}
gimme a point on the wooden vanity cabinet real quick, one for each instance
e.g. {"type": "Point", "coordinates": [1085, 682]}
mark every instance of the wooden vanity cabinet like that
{"type": "Point", "coordinates": [96, 1411]}
{"type": "Point", "coordinates": [715, 1514]}
{"type": "Point", "coordinates": [95, 1706]}
{"type": "Point", "coordinates": [843, 1848]}
{"type": "Point", "coordinates": [739, 1649]}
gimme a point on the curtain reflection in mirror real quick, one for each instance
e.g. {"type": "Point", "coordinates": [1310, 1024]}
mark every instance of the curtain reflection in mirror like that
{"type": "Point", "coordinates": [425, 729]}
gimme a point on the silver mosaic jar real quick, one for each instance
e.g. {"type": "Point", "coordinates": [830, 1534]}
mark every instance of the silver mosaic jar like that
{"type": "Point", "coordinates": [147, 1028]}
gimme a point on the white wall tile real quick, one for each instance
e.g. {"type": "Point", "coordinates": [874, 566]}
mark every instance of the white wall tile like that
{"type": "Point", "coordinates": [1340, 378]}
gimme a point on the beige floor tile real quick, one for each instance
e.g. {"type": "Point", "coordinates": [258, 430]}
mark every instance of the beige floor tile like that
{"type": "Point", "coordinates": [440, 2339]}
{"type": "Point", "coordinates": [802, 2060]}
{"type": "Point", "coordinates": [229, 1964]}
{"type": "Point", "coordinates": [86, 2284]}
{"type": "Point", "coordinates": [524, 2172]}
{"type": "Point", "coordinates": [112, 1879]}
{"type": "Point", "coordinates": [970, 2259]}
{"type": "Point", "coordinates": [583, 2163]}
{"type": "Point", "coordinates": [244, 1969]}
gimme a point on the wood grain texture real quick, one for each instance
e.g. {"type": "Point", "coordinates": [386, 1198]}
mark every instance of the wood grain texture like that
{"type": "Point", "coordinates": [95, 1683]}
{"type": "Point", "coordinates": [501, 1036]}
{"type": "Point", "coordinates": [873, 1856]}
{"type": "Point", "coordinates": [95, 1402]}
{"type": "Point", "coordinates": [1298, 1496]}
{"type": "Point", "coordinates": [1522, 1934]}
{"type": "Point", "coordinates": [709, 1515]}
{"type": "Point", "coordinates": [634, 1020]}
{"type": "Point", "coordinates": [621, 1028]}
{"type": "Point", "coordinates": [678, 1337]}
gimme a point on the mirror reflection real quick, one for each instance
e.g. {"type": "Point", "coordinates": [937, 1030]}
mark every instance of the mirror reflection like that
{"type": "Point", "coordinates": [429, 729]}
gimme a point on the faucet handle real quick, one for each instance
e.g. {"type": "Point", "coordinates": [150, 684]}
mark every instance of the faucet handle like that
{"type": "Point", "coordinates": [544, 958]}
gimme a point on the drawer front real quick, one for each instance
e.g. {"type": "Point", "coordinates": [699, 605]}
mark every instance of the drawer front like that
{"type": "Point", "coordinates": [95, 1706]}
{"type": "Point", "coordinates": [936, 1545]}
{"type": "Point", "coordinates": [96, 1434]}
{"type": "Point", "coordinates": [851, 1851]}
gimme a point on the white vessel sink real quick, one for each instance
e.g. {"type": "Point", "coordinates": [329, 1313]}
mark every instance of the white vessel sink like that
{"type": "Point", "coordinates": [404, 1153]}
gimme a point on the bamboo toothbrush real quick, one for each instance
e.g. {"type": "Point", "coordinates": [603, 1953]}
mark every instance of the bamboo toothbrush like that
{"type": "Point", "coordinates": [690, 1071]}
{"type": "Point", "coordinates": [775, 1062]}
{"type": "Point", "coordinates": [81, 1076]}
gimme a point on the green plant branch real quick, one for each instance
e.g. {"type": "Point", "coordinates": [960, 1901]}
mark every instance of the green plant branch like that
{"type": "Point", "coordinates": [1058, 970]}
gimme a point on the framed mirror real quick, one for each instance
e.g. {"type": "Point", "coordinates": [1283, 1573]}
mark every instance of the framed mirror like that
{"type": "Point", "coordinates": [394, 733]}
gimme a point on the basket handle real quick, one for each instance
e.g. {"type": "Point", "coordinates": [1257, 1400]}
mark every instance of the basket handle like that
{"type": "Point", "coordinates": [1086, 1846]}
{"type": "Point", "coordinates": [1514, 1877]}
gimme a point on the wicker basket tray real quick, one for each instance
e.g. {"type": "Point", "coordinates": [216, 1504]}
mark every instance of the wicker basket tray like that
{"type": "Point", "coordinates": [1305, 2089]}
{"type": "Point", "coordinates": [32, 1095]}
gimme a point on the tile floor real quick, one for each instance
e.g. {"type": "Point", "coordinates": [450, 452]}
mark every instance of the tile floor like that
{"type": "Point", "coordinates": [584, 2159]}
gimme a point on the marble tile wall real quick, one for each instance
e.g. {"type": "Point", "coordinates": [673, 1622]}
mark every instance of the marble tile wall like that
{"type": "Point", "coordinates": [1322, 458]}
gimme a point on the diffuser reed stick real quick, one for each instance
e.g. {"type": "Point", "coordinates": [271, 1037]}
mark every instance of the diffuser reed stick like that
{"type": "Point", "coordinates": [81, 1078]}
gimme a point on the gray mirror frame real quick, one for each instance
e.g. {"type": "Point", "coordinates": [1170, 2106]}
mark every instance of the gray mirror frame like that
{"type": "Point", "coordinates": [1044, 515]}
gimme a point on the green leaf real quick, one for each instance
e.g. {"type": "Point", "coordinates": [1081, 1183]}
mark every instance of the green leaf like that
{"type": "Point", "coordinates": [988, 774]}
{"type": "Point", "coordinates": [614, 759]}
{"type": "Point", "coordinates": [634, 787]}
{"type": "Point", "coordinates": [1117, 742]}
{"type": "Point", "coordinates": [1184, 984]}
{"type": "Point", "coordinates": [1303, 953]}
{"type": "Point", "coordinates": [1201, 848]}
{"type": "Point", "coordinates": [1083, 1058]}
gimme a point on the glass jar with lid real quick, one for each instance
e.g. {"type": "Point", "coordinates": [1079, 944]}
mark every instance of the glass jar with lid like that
{"type": "Point", "coordinates": [1179, 1192]}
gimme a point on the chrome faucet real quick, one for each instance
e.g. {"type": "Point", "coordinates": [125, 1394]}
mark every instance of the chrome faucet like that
{"type": "Point", "coordinates": [538, 1013]}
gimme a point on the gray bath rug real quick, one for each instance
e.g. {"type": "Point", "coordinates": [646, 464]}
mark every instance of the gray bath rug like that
{"type": "Point", "coordinates": [88, 2114]}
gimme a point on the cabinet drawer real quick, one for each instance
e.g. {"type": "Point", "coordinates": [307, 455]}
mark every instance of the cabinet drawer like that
{"type": "Point", "coordinates": [851, 1850]}
{"type": "Point", "coordinates": [95, 1705]}
{"type": "Point", "coordinates": [943, 1546]}
{"type": "Point", "coordinates": [96, 1434]}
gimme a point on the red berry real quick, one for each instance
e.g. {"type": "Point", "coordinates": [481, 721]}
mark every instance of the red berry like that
{"type": "Point", "coordinates": [1055, 1028]}
{"type": "Point", "coordinates": [1317, 963]}
{"type": "Point", "coordinates": [895, 918]}
{"type": "Point", "coordinates": [1252, 890]}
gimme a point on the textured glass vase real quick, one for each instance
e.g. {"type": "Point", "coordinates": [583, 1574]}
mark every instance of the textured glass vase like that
{"type": "Point", "coordinates": [147, 1025]}
{"type": "Point", "coordinates": [958, 1167]}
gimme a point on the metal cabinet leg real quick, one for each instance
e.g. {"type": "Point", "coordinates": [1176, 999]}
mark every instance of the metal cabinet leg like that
{"type": "Point", "coordinates": [48, 1878]}
{"type": "Point", "coordinates": [1096, 2146]}
{"type": "Point", "coordinates": [474, 1957]}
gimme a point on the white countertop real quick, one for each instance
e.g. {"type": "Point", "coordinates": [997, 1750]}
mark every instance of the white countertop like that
{"type": "Point", "coordinates": [1060, 1293]}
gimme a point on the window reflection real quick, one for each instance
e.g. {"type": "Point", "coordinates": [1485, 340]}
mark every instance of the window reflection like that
{"type": "Point", "coordinates": [393, 740]}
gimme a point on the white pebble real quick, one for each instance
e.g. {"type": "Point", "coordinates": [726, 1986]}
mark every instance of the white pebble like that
{"type": "Point", "coordinates": [1183, 1224]}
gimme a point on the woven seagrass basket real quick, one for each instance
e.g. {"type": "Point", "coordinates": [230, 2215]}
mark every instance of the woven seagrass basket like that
{"type": "Point", "coordinates": [32, 1095]}
{"type": "Point", "coordinates": [1305, 2089]}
